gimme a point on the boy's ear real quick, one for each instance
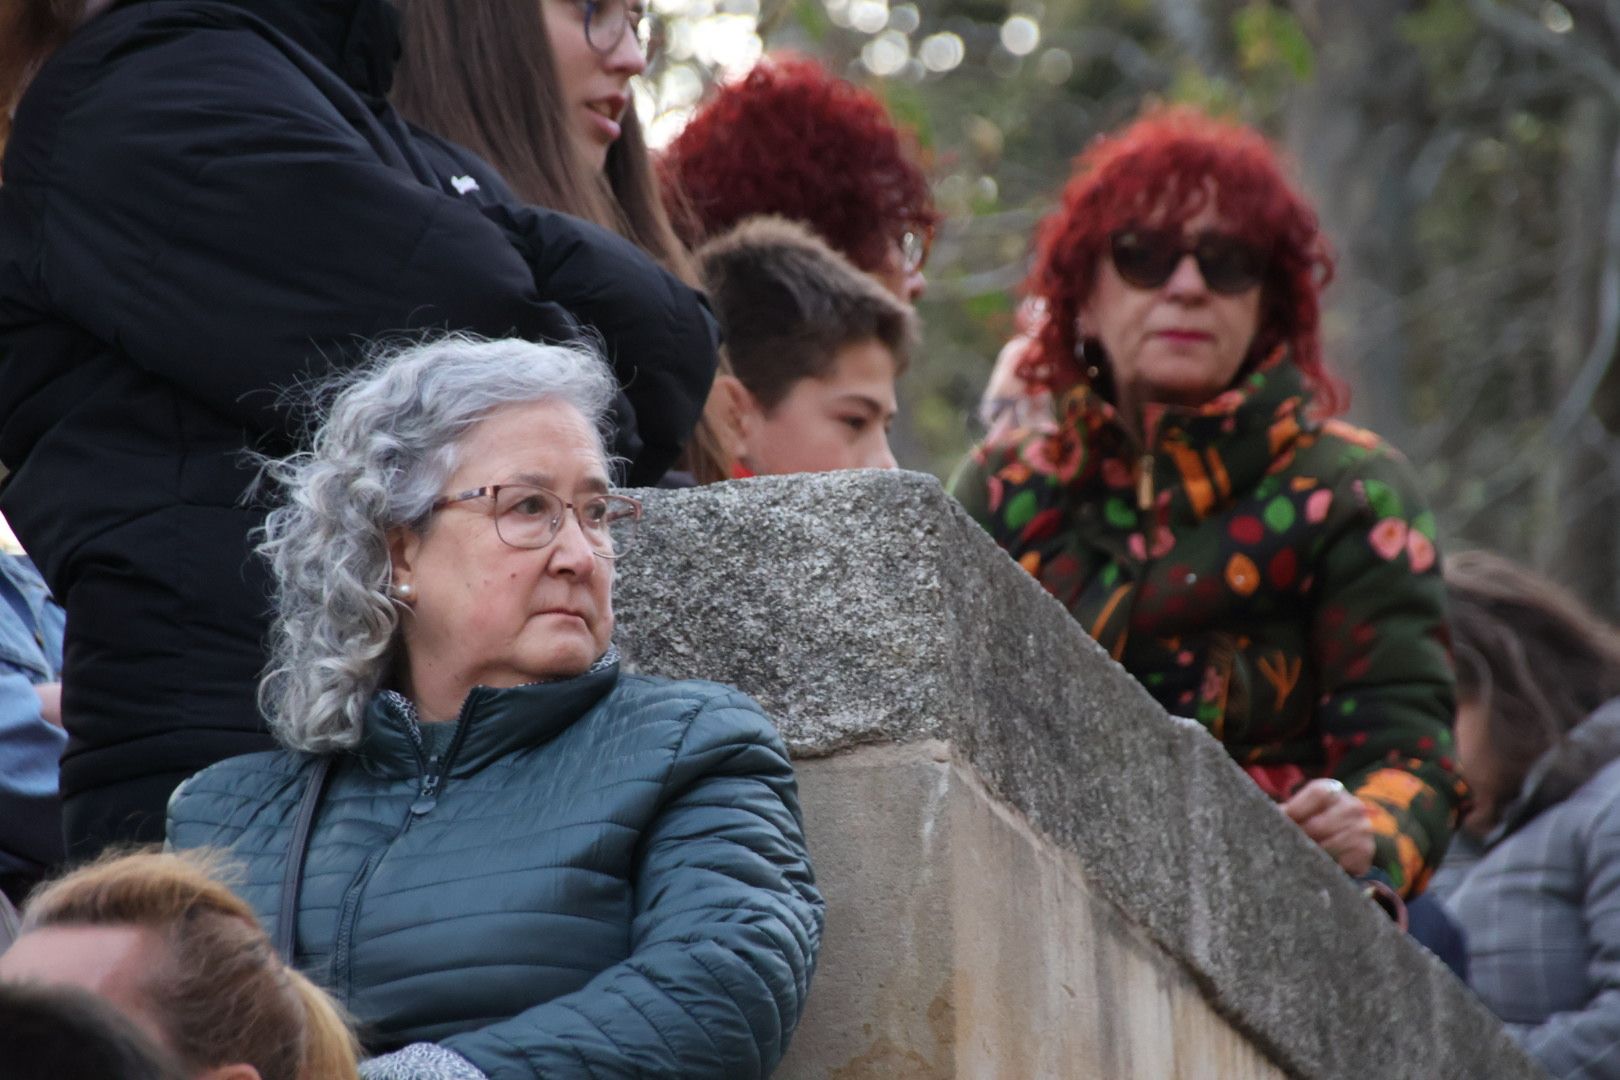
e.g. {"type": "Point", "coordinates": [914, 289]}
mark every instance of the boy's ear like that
{"type": "Point", "coordinates": [737, 411]}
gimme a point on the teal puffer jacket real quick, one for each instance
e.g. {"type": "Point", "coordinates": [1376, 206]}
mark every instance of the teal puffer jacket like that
{"type": "Point", "coordinates": [606, 877]}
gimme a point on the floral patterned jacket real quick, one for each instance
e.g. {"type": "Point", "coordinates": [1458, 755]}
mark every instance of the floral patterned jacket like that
{"type": "Point", "coordinates": [1267, 574]}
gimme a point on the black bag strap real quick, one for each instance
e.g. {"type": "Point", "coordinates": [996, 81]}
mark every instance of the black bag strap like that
{"type": "Point", "coordinates": [292, 875]}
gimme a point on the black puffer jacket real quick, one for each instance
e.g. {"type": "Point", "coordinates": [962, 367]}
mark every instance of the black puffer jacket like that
{"type": "Point", "coordinates": [205, 201]}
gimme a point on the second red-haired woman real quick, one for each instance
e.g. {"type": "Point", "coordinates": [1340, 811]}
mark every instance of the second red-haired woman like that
{"type": "Point", "coordinates": [1266, 571]}
{"type": "Point", "coordinates": [793, 141]}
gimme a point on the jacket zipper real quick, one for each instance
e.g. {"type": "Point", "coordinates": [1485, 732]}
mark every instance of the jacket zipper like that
{"type": "Point", "coordinates": [427, 797]}
{"type": "Point", "coordinates": [1149, 524]}
{"type": "Point", "coordinates": [1144, 483]}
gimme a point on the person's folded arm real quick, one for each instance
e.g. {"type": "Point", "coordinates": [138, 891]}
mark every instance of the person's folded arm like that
{"type": "Point", "coordinates": [209, 212]}
{"type": "Point", "coordinates": [659, 334]}
{"type": "Point", "coordinates": [727, 924]}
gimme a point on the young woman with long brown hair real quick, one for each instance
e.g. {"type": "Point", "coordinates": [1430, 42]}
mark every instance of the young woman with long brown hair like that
{"type": "Point", "coordinates": [1534, 875]}
{"type": "Point", "coordinates": [540, 89]}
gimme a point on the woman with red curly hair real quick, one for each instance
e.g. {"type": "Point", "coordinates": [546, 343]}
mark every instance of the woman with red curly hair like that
{"type": "Point", "coordinates": [794, 141]}
{"type": "Point", "coordinates": [1258, 567]}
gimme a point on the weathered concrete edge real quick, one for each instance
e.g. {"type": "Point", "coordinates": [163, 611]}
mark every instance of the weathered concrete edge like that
{"type": "Point", "coordinates": [1043, 979]}
{"type": "Point", "coordinates": [1164, 824]}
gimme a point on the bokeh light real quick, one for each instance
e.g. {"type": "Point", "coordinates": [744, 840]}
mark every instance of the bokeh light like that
{"type": "Point", "coordinates": [1020, 35]}
{"type": "Point", "coordinates": [887, 53]}
{"type": "Point", "coordinates": [941, 52]}
{"type": "Point", "coordinates": [869, 16]}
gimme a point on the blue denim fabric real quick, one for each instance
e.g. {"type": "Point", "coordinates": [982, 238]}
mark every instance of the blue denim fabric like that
{"type": "Point", "coordinates": [30, 748]}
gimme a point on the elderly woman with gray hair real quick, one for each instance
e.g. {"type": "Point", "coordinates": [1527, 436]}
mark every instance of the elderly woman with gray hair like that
{"type": "Point", "coordinates": [503, 855]}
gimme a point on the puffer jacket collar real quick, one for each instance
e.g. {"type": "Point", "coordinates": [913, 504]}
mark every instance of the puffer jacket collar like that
{"type": "Point", "coordinates": [1562, 771]}
{"type": "Point", "coordinates": [357, 39]}
{"type": "Point", "coordinates": [492, 723]}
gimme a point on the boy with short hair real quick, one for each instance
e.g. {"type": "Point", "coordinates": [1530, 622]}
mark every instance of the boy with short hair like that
{"type": "Point", "coordinates": [814, 345]}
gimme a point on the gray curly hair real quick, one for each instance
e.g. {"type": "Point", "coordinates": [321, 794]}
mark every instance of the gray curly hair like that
{"type": "Point", "coordinates": [386, 441]}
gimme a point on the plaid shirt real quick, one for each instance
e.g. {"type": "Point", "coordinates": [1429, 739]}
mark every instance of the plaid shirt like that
{"type": "Point", "coordinates": [1540, 903]}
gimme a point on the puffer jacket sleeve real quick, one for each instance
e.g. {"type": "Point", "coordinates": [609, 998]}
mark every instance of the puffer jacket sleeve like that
{"type": "Point", "coordinates": [237, 242]}
{"type": "Point", "coordinates": [979, 484]}
{"type": "Point", "coordinates": [267, 230]}
{"type": "Point", "coordinates": [724, 937]}
{"type": "Point", "coordinates": [968, 486]}
{"type": "Point", "coordinates": [1380, 646]}
{"type": "Point", "coordinates": [662, 346]}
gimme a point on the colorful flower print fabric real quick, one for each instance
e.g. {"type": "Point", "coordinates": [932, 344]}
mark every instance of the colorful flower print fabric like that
{"type": "Point", "coordinates": [1271, 576]}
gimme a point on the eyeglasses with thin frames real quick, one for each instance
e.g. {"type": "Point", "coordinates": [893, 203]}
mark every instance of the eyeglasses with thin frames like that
{"type": "Point", "coordinates": [530, 517]}
{"type": "Point", "coordinates": [606, 22]}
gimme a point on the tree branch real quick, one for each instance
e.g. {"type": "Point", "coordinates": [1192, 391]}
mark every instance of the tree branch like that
{"type": "Point", "coordinates": [772, 17]}
{"type": "Point", "coordinates": [1567, 49]}
{"type": "Point", "coordinates": [1575, 408]}
{"type": "Point", "coordinates": [981, 283]}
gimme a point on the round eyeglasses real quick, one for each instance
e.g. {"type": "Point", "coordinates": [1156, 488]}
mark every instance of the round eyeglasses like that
{"type": "Point", "coordinates": [606, 22]}
{"type": "Point", "coordinates": [530, 517]}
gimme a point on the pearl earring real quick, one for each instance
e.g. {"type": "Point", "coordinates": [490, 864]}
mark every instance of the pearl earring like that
{"type": "Point", "coordinates": [404, 591]}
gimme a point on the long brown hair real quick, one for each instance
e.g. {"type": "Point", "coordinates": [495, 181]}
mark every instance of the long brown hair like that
{"type": "Point", "coordinates": [222, 995]}
{"type": "Point", "coordinates": [1532, 655]}
{"type": "Point", "coordinates": [30, 30]}
{"type": "Point", "coordinates": [477, 72]}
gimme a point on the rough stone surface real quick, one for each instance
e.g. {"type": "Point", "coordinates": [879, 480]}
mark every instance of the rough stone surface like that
{"type": "Point", "coordinates": [867, 608]}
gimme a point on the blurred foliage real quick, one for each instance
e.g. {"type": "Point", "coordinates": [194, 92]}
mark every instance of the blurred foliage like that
{"type": "Point", "coordinates": [1270, 43]}
{"type": "Point", "coordinates": [1463, 154]}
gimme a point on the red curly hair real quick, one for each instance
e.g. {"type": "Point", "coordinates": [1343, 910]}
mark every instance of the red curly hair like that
{"type": "Point", "coordinates": [1161, 170]}
{"type": "Point", "coordinates": [792, 140]}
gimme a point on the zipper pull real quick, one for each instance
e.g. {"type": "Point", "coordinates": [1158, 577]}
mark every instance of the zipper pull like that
{"type": "Point", "coordinates": [428, 797]}
{"type": "Point", "coordinates": [1144, 482]}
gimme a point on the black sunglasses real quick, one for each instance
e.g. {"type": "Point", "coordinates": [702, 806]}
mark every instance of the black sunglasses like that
{"type": "Point", "coordinates": [1146, 258]}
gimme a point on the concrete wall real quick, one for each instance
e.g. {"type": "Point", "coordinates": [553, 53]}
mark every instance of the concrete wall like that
{"type": "Point", "coordinates": [959, 943]}
{"type": "Point", "coordinates": [1031, 870]}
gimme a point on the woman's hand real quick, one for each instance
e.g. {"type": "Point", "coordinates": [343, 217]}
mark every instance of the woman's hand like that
{"type": "Point", "coordinates": [1336, 820]}
{"type": "Point", "coordinates": [1008, 403]}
